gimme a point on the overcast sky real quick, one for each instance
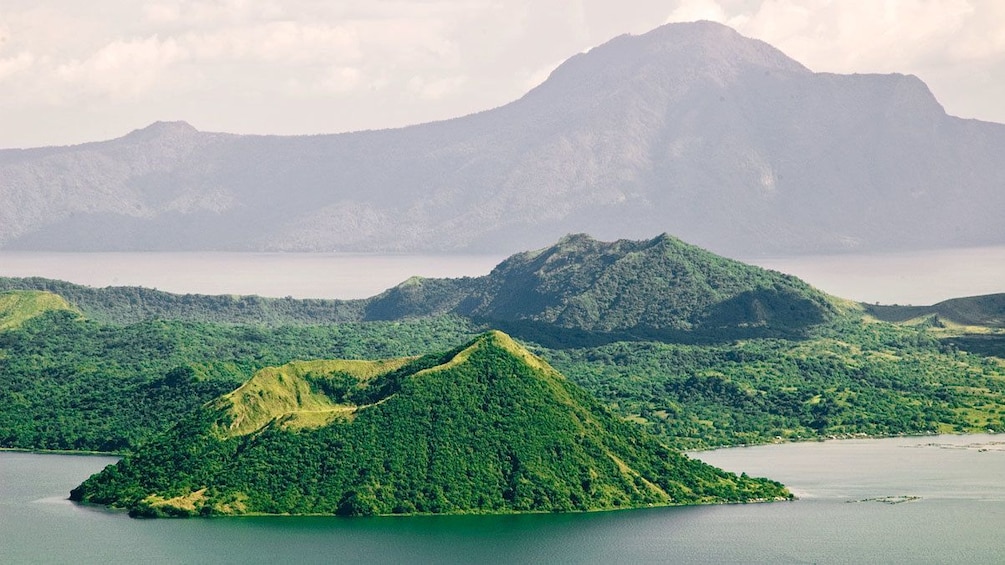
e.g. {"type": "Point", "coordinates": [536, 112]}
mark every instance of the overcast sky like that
{"type": "Point", "coordinates": [73, 71]}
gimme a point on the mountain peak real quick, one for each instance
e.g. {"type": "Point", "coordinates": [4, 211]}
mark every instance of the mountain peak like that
{"type": "Point", "coordinates": [161, 129]}
{"type": "Point", "coordinates": [677, 54]}
{"type": "Point", "coordinates": [299, 395]}
{"type": "Point", "coordinates": [714, 41]}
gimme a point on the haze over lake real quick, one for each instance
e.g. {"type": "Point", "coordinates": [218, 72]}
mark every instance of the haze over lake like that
{"type": "Point", "coordinates": [912, 277]}
{"type": "Point", "coordinates": [918, 278]}
{"type": "Point", "coordinates": [300, 275]}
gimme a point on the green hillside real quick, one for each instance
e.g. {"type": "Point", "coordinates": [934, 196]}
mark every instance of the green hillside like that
{"type": "Point", "coordinates": [71, 383]}
{"type": "Point", "coordinates": [699, 349]}
{"type": "Point", "coordinates": [660, 288]}
{"type": "Point", "coordinates": [129, 305]}
{"type": "Point", "coordinates": [17, 307]}
{"type": "Point", "coordinates": [485, 428]}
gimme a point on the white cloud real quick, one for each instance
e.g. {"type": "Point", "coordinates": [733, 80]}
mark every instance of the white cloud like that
{"type": "Point", "coordinates": [15, 64]}
{"type": "Point", "coordinates": [864, 35]}
{"type": "Point", "coordinates": [435, 89]}
{"type": "Point", "coordinates": [334, 80]}
{"type": "Point", "coordinates": [162, 13]}
{"type": "Point", "coordinates": [694, 10]}
{"type": "Point", "coordinates": [123, 68]}
{"type": "Point", "coordinates": [535, 78]}
{"type": "Point", "coordinates": [274, 42]}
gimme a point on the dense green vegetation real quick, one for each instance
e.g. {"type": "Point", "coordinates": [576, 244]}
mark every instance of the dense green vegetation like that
{"type": "Point", "coordinates": [483, 428]}
{"type": "Point", "coordinates": [853, 376]}
{"type": "Point", "coordinates": [657, 288]}
{"type": "Point", "coordinates": [71, 383]}
{"type": "Point", "coordinates": [720, 353]}
{"type": "Point", "coordinates": [129, 305]}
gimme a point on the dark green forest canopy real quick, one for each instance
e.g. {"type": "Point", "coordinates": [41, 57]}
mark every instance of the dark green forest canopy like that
{"type": "Point", "coordinates": [484, 428]}
{"type": "Point", "coordinates": [71, 383]}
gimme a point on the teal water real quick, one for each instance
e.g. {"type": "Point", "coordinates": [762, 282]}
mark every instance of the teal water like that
{"type": "Point", "coordinates": [941, 500]}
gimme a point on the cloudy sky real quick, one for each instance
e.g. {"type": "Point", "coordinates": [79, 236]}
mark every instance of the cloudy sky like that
{"type": "Point", "coordinates": [74, 71]}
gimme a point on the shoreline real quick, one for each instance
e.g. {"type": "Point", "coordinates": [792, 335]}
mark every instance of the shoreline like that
{"type": "Point", "coordinates": [781, 441]}
{"type": "Point", "coordinates": [845, 437]}
{"type": "Point", "coordinates": [61, 452]}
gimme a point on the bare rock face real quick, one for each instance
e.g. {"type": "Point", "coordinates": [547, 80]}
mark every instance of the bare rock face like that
{"type": "Point", "coordinates": [690, 129]}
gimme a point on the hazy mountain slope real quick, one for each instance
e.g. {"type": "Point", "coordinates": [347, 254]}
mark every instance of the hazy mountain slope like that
{"type": "Point", "coordinates": [690, 129]}
{"type": "Point", "coordinates": [986, 311]}
{"type": "Point", "coordinates": [487, 427]}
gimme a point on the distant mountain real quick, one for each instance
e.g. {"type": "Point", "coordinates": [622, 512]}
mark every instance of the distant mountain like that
{"type": "Point", "coordinates": [690, 129]}
{"type": "Point", "coordinates": [485, 428]}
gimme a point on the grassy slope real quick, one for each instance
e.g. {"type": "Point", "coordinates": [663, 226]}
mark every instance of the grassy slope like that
{"type": "Point", "coordinates": [289, 397]}
{"type": "Point", "coordinates": [484, 428]}
{"type": "Point", "coordinates": [17, 307]}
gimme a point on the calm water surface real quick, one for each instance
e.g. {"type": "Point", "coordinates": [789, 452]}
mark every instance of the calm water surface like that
{"type": "Point", "coordinates": [939, 499]}
{"type": "Point", "coordinates": [916, 277]}
{"type": "Point", "coordinates": [300, 275]}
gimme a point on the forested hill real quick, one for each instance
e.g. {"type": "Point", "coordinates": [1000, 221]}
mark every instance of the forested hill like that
{"type": "Point", "coordinates": [485, 428]}
{"type": "Point", "coordinates": [661, 286]}
{"type": "Point", "coordinates": [657, 288]}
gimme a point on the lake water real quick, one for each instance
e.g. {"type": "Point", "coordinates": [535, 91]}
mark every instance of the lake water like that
{"type": "Point", "coordinates": [890, 278]}
{"type": "Point", "coordinates": [937, 499]}
{"type": "Point", "coordinates": [300, 275]}
{"type": "Point", "coordinates": [914, 277]}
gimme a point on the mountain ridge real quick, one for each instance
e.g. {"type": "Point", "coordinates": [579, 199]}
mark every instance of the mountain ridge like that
{"type": "Point", "coordinates": [690, 129]}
